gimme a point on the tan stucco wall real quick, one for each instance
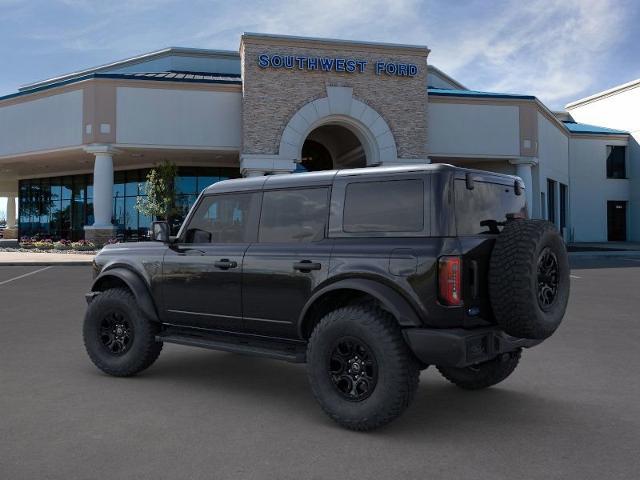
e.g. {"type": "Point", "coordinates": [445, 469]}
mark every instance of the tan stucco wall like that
{"type": "Point", "coordinates": [272, 96]}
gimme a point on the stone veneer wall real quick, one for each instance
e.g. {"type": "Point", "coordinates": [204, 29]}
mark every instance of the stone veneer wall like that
{"type": "Point", "coordinates": [271, 96]}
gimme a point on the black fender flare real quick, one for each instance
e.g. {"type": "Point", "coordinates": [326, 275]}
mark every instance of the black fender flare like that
{"type": "Point", "coordinates": [137, 286]}
{"type": "Point", "coordinates": [391, 300]}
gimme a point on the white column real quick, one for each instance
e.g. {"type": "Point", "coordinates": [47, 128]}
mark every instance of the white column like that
{"type": "Point", "coordinates": [523, 170]}
{"type": "Point", "coordinates": [102, 186]}
{"type": "Point", "coordinates": [102, 190]}
{"type": "Point", "coordinates": [11, 211]}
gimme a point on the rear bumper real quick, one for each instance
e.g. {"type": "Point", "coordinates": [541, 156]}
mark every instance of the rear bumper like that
{"type": "Point", "coordinates": [458, 347]}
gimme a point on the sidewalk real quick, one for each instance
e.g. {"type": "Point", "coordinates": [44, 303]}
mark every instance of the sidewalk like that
{"type": "Point", "coordinates": [604, 246]}
{"type": "Point", "coordinates": [44, 259]}
{"type": "Point", "coordinates": [607, 249]}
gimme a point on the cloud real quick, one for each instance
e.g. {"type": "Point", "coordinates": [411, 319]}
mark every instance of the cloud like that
{"type": "Point", "coordinates": [558, 50]}
{"type": "Point", "coordinates": [549, 48]}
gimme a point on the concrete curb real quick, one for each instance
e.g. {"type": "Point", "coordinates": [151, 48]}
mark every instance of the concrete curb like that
{"type": "Point", "coordinates": [616, 253]}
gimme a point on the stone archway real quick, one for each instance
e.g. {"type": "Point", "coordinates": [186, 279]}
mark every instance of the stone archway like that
{"type": "Point", "coordinates": [333, 145]}
{"type": "Point", "coordinates": [340, 109]}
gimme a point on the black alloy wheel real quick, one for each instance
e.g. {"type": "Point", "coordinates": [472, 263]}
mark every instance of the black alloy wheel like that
{"type": "Point", "coordinates": [116, 333]}
{"type": "Point", "coordinates": [353, 369]}
{"type": "Point", "coordinates": [547, 278]}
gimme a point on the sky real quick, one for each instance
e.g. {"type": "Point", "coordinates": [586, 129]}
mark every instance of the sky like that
{"type": "Point", "coordinates": [558, 50]}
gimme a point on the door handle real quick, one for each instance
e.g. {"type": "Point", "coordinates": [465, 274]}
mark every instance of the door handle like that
{"type": "Point", "coordinates": [225, 264]}
{"type": "Point", "coordinates": [306, 266]}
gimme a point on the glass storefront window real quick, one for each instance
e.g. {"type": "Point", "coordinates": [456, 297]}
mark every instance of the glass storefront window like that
{"type": "Point", "coordinates": [131, 184]}
{"type": "Point", "coordinates": [204, 182]}
{"type": "Point", "coordinates": [67, 188]}
{"type": "Point", "coordinates": [65, 226]}
{"type": "Point", "coordinates": [118, 184]}
{"type": "Point", "coordinates": [118, 213]}
{"type": "Point", "coordinates": [130, 218]}
{"type": "Point", "coordinates": [79, 187]}
{"type": "Point", "coordinates": [186, 182]}
{"type": "Point", "coordinates": [59, 207]}
{"type": "Point", "coordinates": [90, 186]}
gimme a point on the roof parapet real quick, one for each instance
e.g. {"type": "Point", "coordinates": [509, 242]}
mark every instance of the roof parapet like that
{"type": "Point", "coordinates": [603, 94]}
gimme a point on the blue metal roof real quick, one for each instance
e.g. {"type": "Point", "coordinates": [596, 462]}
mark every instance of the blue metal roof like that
{"type": "Point", "coordinates": [175, 75]}
{"type": "Point", "coordinates": [575, 127]}
{"type": "Point", "coordinates": [188, 77]}
{"type": "Point", "coordinates": [444, 92]}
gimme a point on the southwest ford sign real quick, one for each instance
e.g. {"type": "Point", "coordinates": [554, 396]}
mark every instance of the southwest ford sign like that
{"type": "Point", "coordinates": [331, 64]}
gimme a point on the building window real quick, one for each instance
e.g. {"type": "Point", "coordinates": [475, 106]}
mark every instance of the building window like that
{"type": "Point", "coordinates": [551, 200]}
{"type": "Point", "coordinates": [563, 206]}
{"type": "Point", "coordinates": [616, 161]}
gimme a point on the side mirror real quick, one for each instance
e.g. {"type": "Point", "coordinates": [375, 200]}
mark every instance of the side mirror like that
{"type": "Point", "coordinates": [160, 232]}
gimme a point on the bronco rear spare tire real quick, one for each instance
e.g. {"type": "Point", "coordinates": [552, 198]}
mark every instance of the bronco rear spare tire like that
{"type": "Point", "coordinates": [529, 279]}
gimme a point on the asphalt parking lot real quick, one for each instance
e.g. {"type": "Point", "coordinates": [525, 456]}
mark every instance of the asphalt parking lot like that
{"type": "Point", "coordinates": [570, 411]}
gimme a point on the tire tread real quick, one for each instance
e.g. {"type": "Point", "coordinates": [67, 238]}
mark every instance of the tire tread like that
{"type": "Point", "coordinates": [144, 330]}
{"type": "Point", "coordinates": [406, 372]}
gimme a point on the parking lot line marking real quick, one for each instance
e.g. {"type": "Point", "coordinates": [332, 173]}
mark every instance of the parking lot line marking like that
{"type": "Point", "coordinates": [574, 276]}
{"type": "Point", "coordinates": [25, 275]}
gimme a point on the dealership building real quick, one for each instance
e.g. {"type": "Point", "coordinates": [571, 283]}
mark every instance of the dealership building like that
{"type": "Point", "coordinates": [75, 149]}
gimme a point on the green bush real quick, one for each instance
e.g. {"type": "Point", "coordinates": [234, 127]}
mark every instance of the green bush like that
{"type": "Point", "coordinates": [43, 244]}
{"type": "Point", "coordinates": [62, 245]}
{"type": "Point", "coordinates": [83, 246]}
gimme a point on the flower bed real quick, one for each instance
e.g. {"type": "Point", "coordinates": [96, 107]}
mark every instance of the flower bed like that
{"type": "Point", "coordinates": [47, 245]}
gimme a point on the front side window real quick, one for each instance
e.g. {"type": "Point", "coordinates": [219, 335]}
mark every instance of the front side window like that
{"type": "Point", "coordinates": [226, 218]}
{"type": "Point", "coordinates": [296, 215]}
{"type": "Point", "coordinates": [616, 162]}
{"type": "Point", "coordinates": [384, 206]}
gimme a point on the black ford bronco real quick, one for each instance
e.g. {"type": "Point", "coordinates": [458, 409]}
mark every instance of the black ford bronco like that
{"type": "Point", "coordinates": [367, 275]}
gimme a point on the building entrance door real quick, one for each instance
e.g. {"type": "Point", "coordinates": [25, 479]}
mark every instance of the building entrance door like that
{"type": "Point", "coordinates": [617, 221]}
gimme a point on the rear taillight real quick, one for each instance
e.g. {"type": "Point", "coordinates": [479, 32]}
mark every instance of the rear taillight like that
{"type": "Point", "coordinates": [449, 280]}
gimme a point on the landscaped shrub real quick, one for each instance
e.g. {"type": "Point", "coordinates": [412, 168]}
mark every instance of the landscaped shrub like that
{"type": "Point", "coordinates": [26, 242]}
{"type": "Point", "coordinates": [83, 245]}
{"type": "Point", "coordinates": [62, 245]}
{"type": "Point", "coordinates": [43, 244]}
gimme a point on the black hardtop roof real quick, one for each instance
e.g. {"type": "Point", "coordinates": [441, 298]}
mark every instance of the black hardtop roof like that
{"type": "Point", "coordinates": [326, 177]}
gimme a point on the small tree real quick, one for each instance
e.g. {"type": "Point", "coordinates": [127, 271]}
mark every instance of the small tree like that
{"type": "Point", "coordinates": [160, 190]}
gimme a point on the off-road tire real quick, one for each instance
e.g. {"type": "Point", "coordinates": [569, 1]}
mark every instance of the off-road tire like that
{"type": "Point", "coordinates": [143, 350]}
{"type": "Point", "coordinates": [484, 374]}
{"type": "Point", "coordinates": [397, 369]}
{"type": "Point", "coordinates": [514, 279]}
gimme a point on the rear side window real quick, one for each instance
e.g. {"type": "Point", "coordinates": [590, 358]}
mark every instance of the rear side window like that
{"type": "Point", "coordinates": [484, 208]}
{"type": "Point", "coordinates": [385, 206]}
{"type": "Point", "coordinates": [294, 216]}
